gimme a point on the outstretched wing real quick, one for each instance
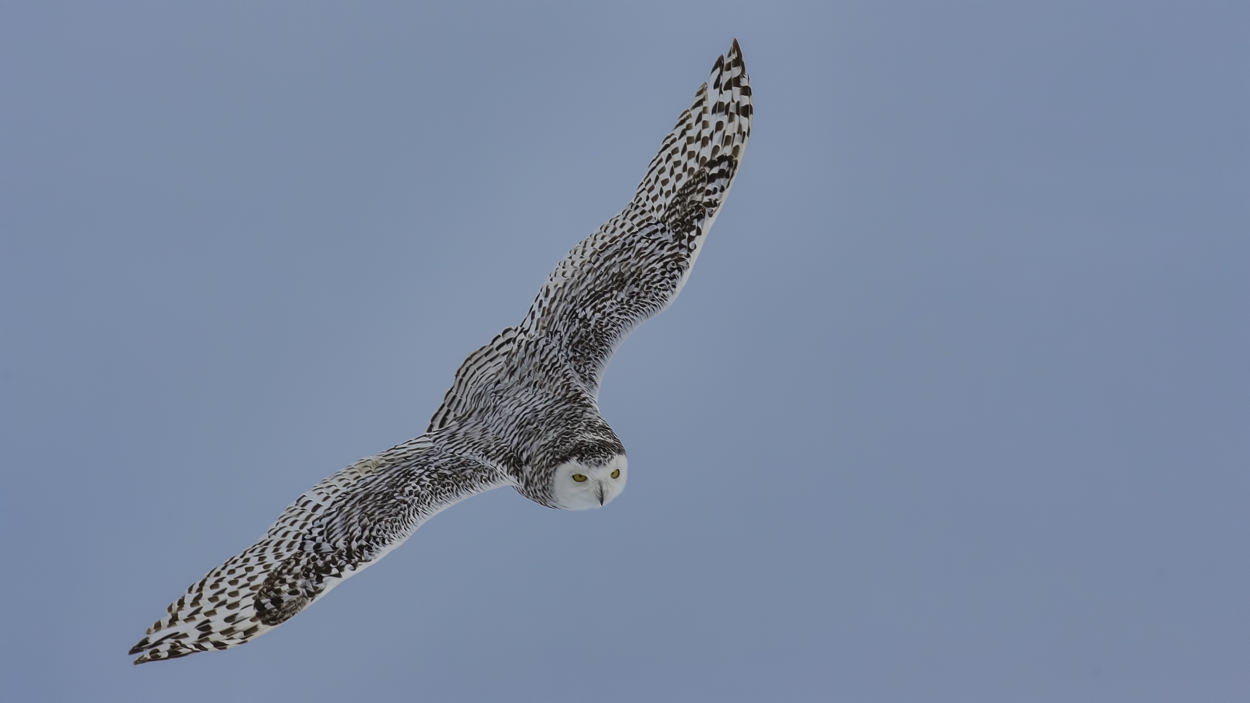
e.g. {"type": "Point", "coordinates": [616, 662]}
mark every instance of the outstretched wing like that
{"type": "Point", "coordinates": [637, 262]}
{"type": "Point", "coordinates": [345, 523]}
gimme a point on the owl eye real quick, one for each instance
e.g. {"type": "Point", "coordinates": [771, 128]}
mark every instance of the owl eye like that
{"type": "Point", "coordinates": [616, 473]}
{"type": "Point", "coordinates": [579, 477]}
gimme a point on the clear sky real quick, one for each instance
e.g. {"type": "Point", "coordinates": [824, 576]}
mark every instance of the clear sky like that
{"type": "Point", "coordinates": [955, 406]}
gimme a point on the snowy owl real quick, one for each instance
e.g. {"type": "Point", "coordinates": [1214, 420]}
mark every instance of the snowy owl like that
{"type": "Point", "coordinates": [522, 412]}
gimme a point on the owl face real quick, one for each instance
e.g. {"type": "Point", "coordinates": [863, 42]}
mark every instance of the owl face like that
{"type": "Point", "coordinates": [579, 486]}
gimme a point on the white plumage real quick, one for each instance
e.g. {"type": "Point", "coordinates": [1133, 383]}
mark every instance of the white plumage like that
{"type": "Point", "coordinates": [522, 412]}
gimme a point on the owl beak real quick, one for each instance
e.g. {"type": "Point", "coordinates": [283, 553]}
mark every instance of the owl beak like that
{"type": "Point", "coordinates": [601, 493]}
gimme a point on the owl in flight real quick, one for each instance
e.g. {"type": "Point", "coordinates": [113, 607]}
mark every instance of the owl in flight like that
{"type": "Point", "coordinates": [522, 412]}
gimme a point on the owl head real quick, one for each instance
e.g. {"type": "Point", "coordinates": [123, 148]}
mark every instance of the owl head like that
{"type": "Point", "coordinates": [582, 483]}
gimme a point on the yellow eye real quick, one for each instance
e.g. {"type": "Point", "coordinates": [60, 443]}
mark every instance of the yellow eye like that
{"type": "Point", "coordinates": [616, 473]}
{"type": "Point", "coordinates": [579, 477]}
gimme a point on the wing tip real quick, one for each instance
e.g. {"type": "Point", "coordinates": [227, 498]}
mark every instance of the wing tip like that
{"type": "Point", "coordinates": [718, 121]}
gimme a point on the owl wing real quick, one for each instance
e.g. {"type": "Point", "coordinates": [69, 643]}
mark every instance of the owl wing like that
{"type": "Point", "coordinates": [345, 523]}
{"type": "Point", "coordinates": [633, 266]}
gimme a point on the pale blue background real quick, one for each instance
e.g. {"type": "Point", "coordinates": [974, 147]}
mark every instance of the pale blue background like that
{"type": "Point", "coordinates": [955, 407]}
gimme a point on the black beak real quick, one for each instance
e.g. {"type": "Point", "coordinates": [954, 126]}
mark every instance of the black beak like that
{"type": "Point", "coordinates": [601, 494]}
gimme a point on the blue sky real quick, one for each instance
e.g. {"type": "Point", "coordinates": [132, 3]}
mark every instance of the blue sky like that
{"type": "Point", "coordinates": [953, 408]}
